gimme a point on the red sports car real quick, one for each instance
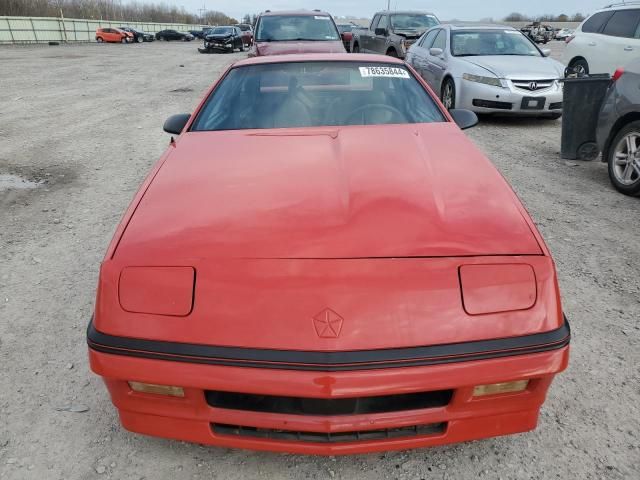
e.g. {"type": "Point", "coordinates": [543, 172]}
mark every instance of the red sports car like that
{"type": "Point", "coordinates": [323, 263]}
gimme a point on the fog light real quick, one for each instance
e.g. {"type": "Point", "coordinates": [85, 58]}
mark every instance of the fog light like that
{"type": "Point", "coordinates": [496, 388]}
{"type": "Point", "coordinates": [157, 389]}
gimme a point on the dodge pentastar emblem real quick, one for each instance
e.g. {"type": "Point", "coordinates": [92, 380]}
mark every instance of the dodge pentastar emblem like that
{"type": "Point", "coordinates": [328, 324]}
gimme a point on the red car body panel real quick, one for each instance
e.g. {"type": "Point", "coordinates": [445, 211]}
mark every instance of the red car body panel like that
{"type": "Point", "coordinates": [327, 264]}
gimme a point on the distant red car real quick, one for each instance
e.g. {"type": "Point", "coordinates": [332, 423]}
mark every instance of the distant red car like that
{"type": "Point", "coordinates": [297, 31]}
{"type": "Point", "coordinates": [247, 33]}
{"type": "Point", "coordinates": [323, 263]}
{"type": "Point", "coordinates": [346, 32]}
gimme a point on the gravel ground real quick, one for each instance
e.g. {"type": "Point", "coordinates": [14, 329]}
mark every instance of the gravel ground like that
{"type": "Point", "coordinates": [83, 123]}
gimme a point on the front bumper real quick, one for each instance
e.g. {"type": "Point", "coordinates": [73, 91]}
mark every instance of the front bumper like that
{"type": "Point", "coordinates": [192, 418]}
{"type": "Point", "coordinates": [509, 100]}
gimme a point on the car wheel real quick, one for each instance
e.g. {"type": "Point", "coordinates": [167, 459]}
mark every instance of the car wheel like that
{"type": "Point", "coordinates": [123, 40]}
{"type": "Point", "coordinates": [99, 40]}
{"type": "Point", "coordinates": [624, 160]}
{"type": "Point", "coordinates": [580, 66]}
{"type": "Point", "coordinates": [448, 94]}
{"type": "Point", "coordinates": [139, 40]}
{"type": "Point", "coordinates": [392, 53]}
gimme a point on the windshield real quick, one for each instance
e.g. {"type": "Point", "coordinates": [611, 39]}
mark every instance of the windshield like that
{"type": "Point", "coordinates": [491, 42]}
{"type": "Point", "coordinates": [220, 31]}
{"type": "Point", "coordinates": [345, 28]}
{"type": "Point", "coordinates": [316, 94]}
{"type": "Point", "coordinates": [413, 22]}
{"type": "Point", "coordinates": [244, 28]}
{"type": "Point", "coordinates": [282, 28]}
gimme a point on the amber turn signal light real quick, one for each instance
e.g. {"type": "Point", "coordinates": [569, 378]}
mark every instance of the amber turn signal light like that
{"type": "Point", "coordinates": [497, 388]}
{"type": "Point", "coordinates": [157, 389]}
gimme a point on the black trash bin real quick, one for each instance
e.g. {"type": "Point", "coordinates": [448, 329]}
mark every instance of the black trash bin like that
{"type": "Point", "coordinates": [583, 97]}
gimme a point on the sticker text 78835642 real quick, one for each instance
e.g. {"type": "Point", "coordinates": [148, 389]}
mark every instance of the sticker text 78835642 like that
{"type": "Point", "coordinates": [391, 72]}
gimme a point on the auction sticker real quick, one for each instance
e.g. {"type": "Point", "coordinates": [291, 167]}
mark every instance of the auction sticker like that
{"type": "Point", "coordinates": [390, 72]}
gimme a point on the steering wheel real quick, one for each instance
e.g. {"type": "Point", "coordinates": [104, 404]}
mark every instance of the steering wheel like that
{"type": "Point", "coordinates": [373, 106]}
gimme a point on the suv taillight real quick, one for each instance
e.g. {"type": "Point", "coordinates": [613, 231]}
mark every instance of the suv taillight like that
{"type": "Point", "coordinates": [569, 38]}
{"type": "Point", "coordinates": [617, 74]}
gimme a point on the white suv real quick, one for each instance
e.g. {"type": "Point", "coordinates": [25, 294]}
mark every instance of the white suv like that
{"type": "Point", "coordinates": [607, 40]}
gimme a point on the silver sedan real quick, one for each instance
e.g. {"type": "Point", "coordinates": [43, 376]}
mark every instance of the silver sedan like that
{"type": "Point", "coordinates": [489, 69]}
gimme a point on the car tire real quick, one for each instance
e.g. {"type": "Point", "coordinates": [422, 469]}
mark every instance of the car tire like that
{"type": "Point", "coordinates": [139, 39]}
{"type": "Point", "coordinates": [624, 166]}
{"type": "Point", "coordinates": [123, 40]}
{"type": "Point", "coordinates": [448, 94]}
{"type": "Point", "coordinates": [356, 48]}
{"type": "Point", "coordinates": [580, 66]}
{"type": "Point", "coordinates": [392, 53]}
{"type": "Point", "coordinates": [99, 40]}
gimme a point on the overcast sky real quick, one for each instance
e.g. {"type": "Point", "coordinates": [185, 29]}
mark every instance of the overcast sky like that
{"type": "Point", "coordinates": [445, 10]}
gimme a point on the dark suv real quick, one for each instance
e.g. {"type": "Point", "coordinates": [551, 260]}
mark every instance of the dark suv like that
{"type": "Point", "coordinates": [619, 129]}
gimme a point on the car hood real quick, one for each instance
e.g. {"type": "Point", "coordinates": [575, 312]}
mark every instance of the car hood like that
{"type": "Point", "coordinates": [283, 48]}
{"type": "Point", "coordinates": [218, 36]}
{"type": "Point", "coordinates": [519, 67]}
{"type": "Point", "coordinates": [356, 192]}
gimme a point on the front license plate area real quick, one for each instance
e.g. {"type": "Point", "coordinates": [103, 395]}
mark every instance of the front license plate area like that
{"type": "Point", "coordinates": [533, 103]}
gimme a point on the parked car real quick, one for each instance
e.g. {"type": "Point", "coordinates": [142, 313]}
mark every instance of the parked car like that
{"type": "Point", "coordinates": [538, 32]}
{"type": "Point", "coordinates": [198, 33]}
{"type": "Point", "coordinates": [174, 35]}
{"type": "Point", "coordinates": [489, 69]}
{"type": "Point", "coordinates": [113, 35]}
{"type": "Point", "coordinates": [346, 33]}
{"type": "Point", "coordinates": [138, 35]}
{"type": "Point", "coordinates": [366, 278]}
{"type": "Point", "coordinates": [247, 33]}
{"type": "Point", "coordinates": [618, 129]}
{"type": "Point", "coordinates": [608, 39]}
{"type": "Point", "coordinates": [297, 31]}
{"type": "Point", "coordinates": [223, 39]}
{"type": "Point", "coordinates": [564, 33]}
{"type": "Point", "coordinates": [392, 33]}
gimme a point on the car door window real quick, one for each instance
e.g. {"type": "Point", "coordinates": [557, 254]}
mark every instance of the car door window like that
{"type": "Point", "coordinates": [623, 23]}
{"type": "Point", "coordinates": [427, 40]}
{"type": "Point", "coordinates": [384, 22]}
{"type": "Point", "coordinates": [374, 22]}
{"type": "Point", "coordinates": [595, 23]}
{"type": "Point", "coordinates": [440, 40]}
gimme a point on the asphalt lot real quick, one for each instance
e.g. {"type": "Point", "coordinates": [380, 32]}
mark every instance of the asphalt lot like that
{"type": "Point", "coordinates": [83, 123]}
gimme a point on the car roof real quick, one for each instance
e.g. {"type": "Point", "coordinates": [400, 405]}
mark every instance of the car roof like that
{"type": "Point", "coordinates": [619, 6]}
{"type": "Point", "coordinates": [319, 57]}
{"type": "Point", "coordinates": [270, 13]}
{"type": "Point", "coordinates": [478, 26]}
{"type": "Point", "coordinates": [405, 12]}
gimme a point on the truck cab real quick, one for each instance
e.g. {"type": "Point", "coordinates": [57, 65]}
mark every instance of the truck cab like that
{"type": "Point", "coordinates": [393, 32]}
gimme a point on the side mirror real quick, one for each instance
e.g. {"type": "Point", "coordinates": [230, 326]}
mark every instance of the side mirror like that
{"type": "Point", "coordinates": [435, 52]}
{"type": "Point", "coordinates": [175, 123]}
{"type": "Point", "coordinates": [546, 52]}
{"type": "Point", "coordinates": [464, 118]}
{"type": "Point", "coordinates": [381, 31]}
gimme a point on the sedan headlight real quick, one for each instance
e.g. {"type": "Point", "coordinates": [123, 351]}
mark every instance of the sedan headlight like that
{"type": "Point", "coordinates": [493, 81]}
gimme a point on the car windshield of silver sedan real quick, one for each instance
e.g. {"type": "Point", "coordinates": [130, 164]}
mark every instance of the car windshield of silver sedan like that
{"type": "Point", "coordinates": [287, 28]}
{"type": "Point", "coordinates": [469, 43]}
{"type": "Point", "coordinates": [413, 21]}
{"type": "Point", "coordinates": [316, 94]}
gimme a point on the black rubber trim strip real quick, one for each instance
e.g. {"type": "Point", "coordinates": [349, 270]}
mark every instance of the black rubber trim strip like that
{"type": "Point", "coordinates": [329, 361]}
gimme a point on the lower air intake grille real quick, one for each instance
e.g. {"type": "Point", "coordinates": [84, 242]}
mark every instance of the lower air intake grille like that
{"type": "Point", "coordinates": [339, 437]}
{"type": "Point", "coordinates": [332, 406]}
{"type": "Point", "coordinates": [492, 104]}
{"type": "Point", "coordinates": [555, 106]}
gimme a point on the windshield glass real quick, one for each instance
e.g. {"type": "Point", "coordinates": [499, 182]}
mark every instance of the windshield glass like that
{"type": "Point", "coordinates": [282, 28]}
{"type": "Point", "coordinates": [315, 94]}
{"type": "Point", "coordinates": [345, 28]}
{"type": "Point", "coordinates": [220, 31]}
{"type": "Point", "coordinates": [413, 22]}
{"type": "Point", "coordinates": [491, 42]}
